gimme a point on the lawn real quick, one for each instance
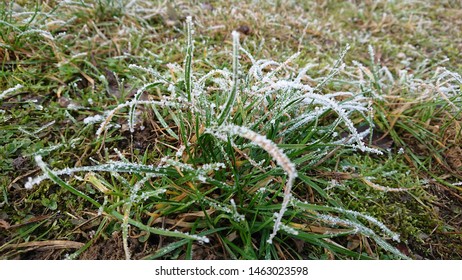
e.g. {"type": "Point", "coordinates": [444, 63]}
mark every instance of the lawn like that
{"type": "Point", "coordinates": [230, 129]}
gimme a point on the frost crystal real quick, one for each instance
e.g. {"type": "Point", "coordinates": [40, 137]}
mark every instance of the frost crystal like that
{"type": "Point", "coordinates": [374, 221]}
{"type": "Point", "coordinates": [238, 217]}
{"type": "Point", "coordinates": [10, 90]}
{"type": "Point", "coordinates": [180, 151]}
{"type": "Point", "coordinates": [93, 119]}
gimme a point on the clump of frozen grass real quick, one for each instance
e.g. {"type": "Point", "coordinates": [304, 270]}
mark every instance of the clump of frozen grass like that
{"type": "Point", "coordinates": [226, 104]}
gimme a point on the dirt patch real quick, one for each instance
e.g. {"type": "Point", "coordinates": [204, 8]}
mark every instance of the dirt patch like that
{"type": "Point", "coordinates": [207, 252]}
{"type": "Point", "coordinates": [112, 249]}
{"type": "Point", "coordinates": [453, 157]}
{"type": "Point", "coordinates": [140, 139]}
{"type": "Point", "coordinates": [445, 241]}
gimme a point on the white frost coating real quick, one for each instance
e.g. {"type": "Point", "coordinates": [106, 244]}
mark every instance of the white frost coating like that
{"type": "Point", "coordinates": [180, 151]}
{"type": "Point", "coordinates": [201, 178]}
{"type": "Point", "coordinates": [282, 65]}
{"type": "Point", "coordinates": [226, 75]}
{"type": "Point", "coordinates": [10, 90]}
{"type": "Point", "coordinates": [343, 222]}
{"type": "Point", "coordinates": [289, 229]}
{"type": "Point", "coordinates": [44, 127]}
{"type": "Point", "coordinates": [167, 162]}
{"type": "Point", "coordinates": [113, 166]}
{"type": "Point", "coordinates": [278, 155]}
{"type": "Point", "coordinates": [362, 229]}
{"type": "Point", "coordinates": [213, 166]}
{"type": "Point", "coordinates": [43, 33]}
{"type": "Point", "coordinates": [93, 119]}
{"type": "Point", "coordinates": [312, 98]}
{"type": "Point", "coordinates": [156, 193]}
{"type": "Point", "coordinates": [262, 190]}
{"type": "Point", "coordinates": [232, 96]}
{"type": "Point", "coordinates": [371, 53]}
{"type": "Point", "coordinates": [286, 85]}
{"type": "Point", "coordinates": [195, 236]}
{"type": "Point", "coordinates": [219, 207]}
{"type": "Point", "coordinates": [133, 103]}
{"type": "Point", "coordinates": [134, 197]}
{"type": "Point", "coordinates": [373, 220]}
{"type": "Point", "coordinates": [31, 182]}
{"type": "Point", "coordinates": [236, 216]}
{"type": "Point", "coordinates": [149, 70]}
{"type": "Point", "coordinates": [101, 208]}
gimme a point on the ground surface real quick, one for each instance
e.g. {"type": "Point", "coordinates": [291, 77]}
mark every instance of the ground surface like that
{"type": "Point", "coordinates": [72, 61]}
